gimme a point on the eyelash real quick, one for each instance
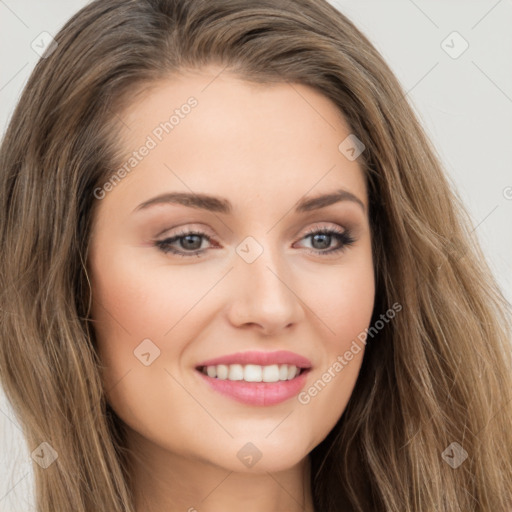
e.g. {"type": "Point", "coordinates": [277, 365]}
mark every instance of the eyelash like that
{"type": "Point", "coordinates": [344, 238]}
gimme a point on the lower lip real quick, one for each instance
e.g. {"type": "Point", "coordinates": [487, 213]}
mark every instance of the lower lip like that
{"type": "Point", "coordinates": [258, 393]}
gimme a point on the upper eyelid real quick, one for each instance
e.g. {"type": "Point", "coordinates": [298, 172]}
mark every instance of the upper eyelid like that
{"type": "Point", "coordinates": [184, 227]}
{"type": "Point", "coordinates": [189, 229]}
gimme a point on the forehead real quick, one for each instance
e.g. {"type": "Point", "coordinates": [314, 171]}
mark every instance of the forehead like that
{"type": "Point", "coordinates": [219, 134]}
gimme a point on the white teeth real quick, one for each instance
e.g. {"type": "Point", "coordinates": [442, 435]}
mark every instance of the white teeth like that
{"type": "Point", "coordinates": [252, 372]}
{"type": "Point", "coordinates": [222, 371]}
{"type": "Point", "coordinates": [236, 372]}
{"type": "Point", "coordinates": [271, 373]}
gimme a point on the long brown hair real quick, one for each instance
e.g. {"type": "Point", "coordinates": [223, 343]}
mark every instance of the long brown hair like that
{"type": "Point", "coordinates": [439, 373]}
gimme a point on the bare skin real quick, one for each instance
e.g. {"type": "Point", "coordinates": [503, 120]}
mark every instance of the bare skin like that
{"type": "Point", "coordinates": [263, 148]}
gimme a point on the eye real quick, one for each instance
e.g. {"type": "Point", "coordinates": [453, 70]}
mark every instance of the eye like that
{"type": "Point", "coordinates": [188, 243]}
{"type": "Point", "coordinates": [321, 239]}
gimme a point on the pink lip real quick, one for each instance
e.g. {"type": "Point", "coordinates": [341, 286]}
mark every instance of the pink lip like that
{"type": "Point", "coordinates": [260, 358]}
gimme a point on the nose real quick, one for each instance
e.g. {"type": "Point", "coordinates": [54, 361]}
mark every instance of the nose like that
{"type": "Point", "coordinates": [263, 295]}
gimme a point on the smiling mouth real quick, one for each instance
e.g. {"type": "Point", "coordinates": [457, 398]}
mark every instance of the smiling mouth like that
{"type": "Point", "coordinates": [253, 372]}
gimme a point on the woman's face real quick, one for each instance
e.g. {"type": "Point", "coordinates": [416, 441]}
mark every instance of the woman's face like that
{"type": "Point", "coordinates": [231, 162]}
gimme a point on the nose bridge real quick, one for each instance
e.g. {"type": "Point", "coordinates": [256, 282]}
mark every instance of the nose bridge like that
{"type": "Point", "coordinates": [263, 294]}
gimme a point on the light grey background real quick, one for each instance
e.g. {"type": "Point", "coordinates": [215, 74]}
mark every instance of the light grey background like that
{"type": "Point", "coordinates": [464, 103]}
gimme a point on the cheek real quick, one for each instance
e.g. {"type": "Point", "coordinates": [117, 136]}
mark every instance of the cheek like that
{"type": "Point", "coordinates": [137, 301]}
{"type": "Point", "coordinates": [344, 307]}
{"type": "Point", "coordinates": [353, 308]}
{"type": "Point", "coordinates": [131, 306]}
{"type": "Point", "coordinates": [342, 299]}
{"type": "Point", "coordinates": [133, 302]}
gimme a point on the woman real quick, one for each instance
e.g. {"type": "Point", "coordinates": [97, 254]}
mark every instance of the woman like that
{"type": "Point", "coordinates": [335, 341]}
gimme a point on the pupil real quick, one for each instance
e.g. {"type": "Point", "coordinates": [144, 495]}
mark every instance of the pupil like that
{"type": "Point", "coordinates": [188, 242]}
{"type": "Point", "coordinates": [326, 240]}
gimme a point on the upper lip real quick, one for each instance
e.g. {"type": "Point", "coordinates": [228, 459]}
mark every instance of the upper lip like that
{"type": "Point", "coordinates": [260, 358]}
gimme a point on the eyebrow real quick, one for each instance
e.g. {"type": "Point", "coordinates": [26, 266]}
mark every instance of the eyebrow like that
{"type": "Point", "coordinates": [222, 205]}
